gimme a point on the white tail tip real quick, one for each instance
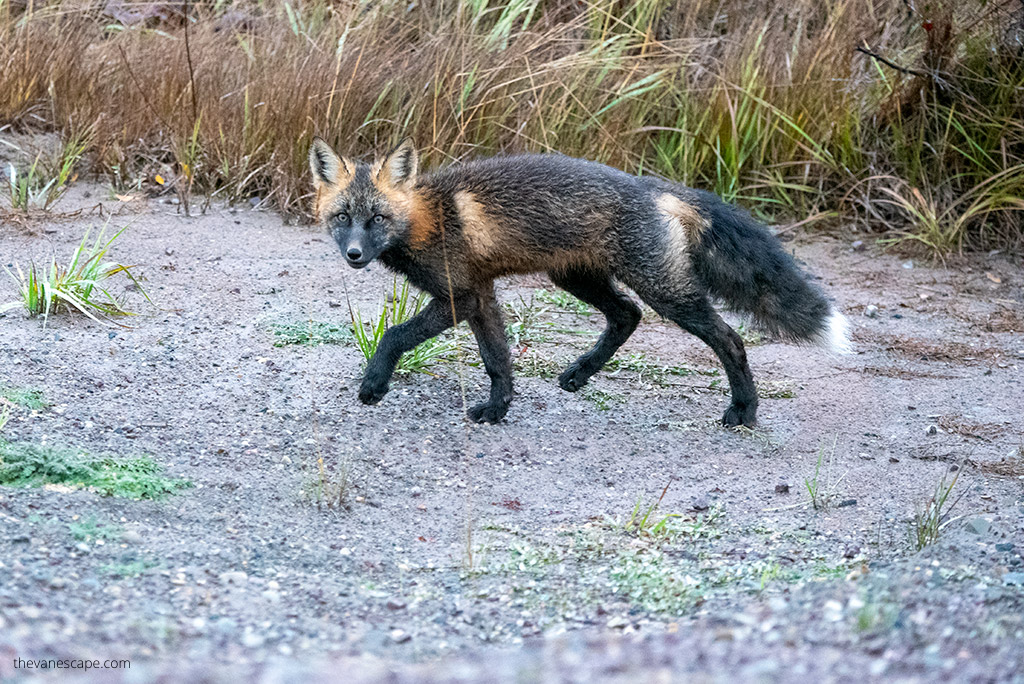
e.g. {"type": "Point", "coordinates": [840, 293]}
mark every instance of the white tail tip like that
{"type": "Point", "coordinates": [836, 335]}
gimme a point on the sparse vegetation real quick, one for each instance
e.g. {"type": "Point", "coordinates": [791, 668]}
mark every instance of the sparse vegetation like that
{"type": "Point", "coordinates": [137, 477]}
{"type": "Point", "coordinates": [564, 301]}
{"type": "Point", "coordinates": [311, 333]}
{"type": "Point", "coordinates": [401, 307]}
{"type": "Point", "coordinates": [936, 514]}
{"type": "Point", "coordinates": [90, 529]}
{"type": "Point", "coordinates": [648, 370]}
{"type": "Point", "coordinates": [822, 487]}
{"type": "Point", "coordinates": [80, 286]}
{"type": "Point", "coordinates": [24, 397]}
{"type": "Point", "coordinates": [329, 486]}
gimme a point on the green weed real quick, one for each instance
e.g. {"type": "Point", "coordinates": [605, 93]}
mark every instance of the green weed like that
{"type": "Point", "coordinates": [823, 492]}
{"type": "Point", "coordinates": [311, 333]}
{"type": "Point", "coordinates": [31, 399]}
{"type": "Point", "coordinates": [565, 301]}
{"type": "Point", "coordinates": [935, 515]}
{"type": "Point", "coordinates": [401, 307]}
{"type": "Point", "coordinates": [138, 477]}
{"type": "Point", "coordinates": [79, 286]}
{"type": "Point", "coordinates": [128, 569]}
{"type": "Point", "coordinates": [88, 529]}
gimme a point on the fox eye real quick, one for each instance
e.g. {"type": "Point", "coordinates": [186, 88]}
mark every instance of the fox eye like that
{"type": "Point", "coordinates": [378, 219]}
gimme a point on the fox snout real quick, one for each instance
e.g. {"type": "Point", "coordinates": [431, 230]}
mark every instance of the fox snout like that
{"type": "Point", "coordinates": [356, 245]}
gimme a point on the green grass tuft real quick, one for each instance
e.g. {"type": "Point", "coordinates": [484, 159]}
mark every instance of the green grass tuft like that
{"type": "Point", "coordinates": [31, 399]}
{"type": "Point", "coordinates": [137, 477]}
{"type": "Point", "coordinates": [311, 333]}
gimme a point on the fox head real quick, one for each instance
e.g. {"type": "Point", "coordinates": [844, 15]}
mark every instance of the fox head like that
{"type": "Point", "coordinates": [366, 208]}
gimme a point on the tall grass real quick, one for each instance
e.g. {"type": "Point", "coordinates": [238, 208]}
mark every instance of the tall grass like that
{"type": "Point", "coordinates": [765, 103]}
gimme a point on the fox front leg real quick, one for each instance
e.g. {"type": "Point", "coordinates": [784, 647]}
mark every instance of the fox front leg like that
{"type": "Point", "coordinates": [435, 318]}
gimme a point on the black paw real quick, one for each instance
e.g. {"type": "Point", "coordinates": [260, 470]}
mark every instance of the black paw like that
{"type": "Point", "coordinates": [740, 415]}
{"type": "Point", "coordinates": [371, 392]}
{"type": "Point", "coordinates": [573, 378]}
{"type": "Point", "coordinates": [488, 413]}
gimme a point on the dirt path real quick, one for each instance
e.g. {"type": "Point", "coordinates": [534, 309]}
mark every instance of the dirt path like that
{"type": "Point", "coordinates": [458, 540]}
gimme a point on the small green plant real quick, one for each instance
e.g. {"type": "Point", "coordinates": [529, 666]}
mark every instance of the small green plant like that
{"type": "Point", "coordinates": [329, 487]}
{"type": "Point", "coordinates": [129, 568]}
{"type": "Point", "coordinates": [31, 189]}
{"type": "Point", "coordinates": [600, 398]}
{"type": "Point", "coordinates": [311, 333]}
{"type": "Point", "coordinates": [88, 529]}
{"type": "Point", "coordinates": [522, 328]}
{"type": "Point", "coordinates": [402, 307]}
{"type": "Point", "coordinates": [644, 521]}
{"type": "Point", "coordinates": [79, 286]}
{"type": "Point", "coordinates": [32, 465]}
{"type": "Point", "coordinates": [31, 399]}
{"type": "Point", "coordinates": [931, 519]}
{"type": "Point", "coordinates": [750, 336]}
{"type": "Point", "coordinates": [651, 370]}
{"type": "Point", "coordinates": [823, 493]}
{"type": "Point", "coordinates": [645, 579]}
{"type": "Point", "coordinates": [565, 301]}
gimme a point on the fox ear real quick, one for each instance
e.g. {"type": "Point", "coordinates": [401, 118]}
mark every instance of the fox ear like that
{"type": "Point", "coordinates": [327, 167]}
{"type": "Point", "coordinates": [400, 165]}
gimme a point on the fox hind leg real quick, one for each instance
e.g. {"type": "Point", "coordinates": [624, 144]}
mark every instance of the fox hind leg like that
{"type": "Point", "coordinates": [695, 314]}
{"type": "Point", "coordinates": [487, 327]}
{"type": "Point", "coordinates": [621, 313]}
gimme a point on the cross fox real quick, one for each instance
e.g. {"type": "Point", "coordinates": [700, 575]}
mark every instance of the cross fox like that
{"type": "Point", "coordinates": [454, 231]}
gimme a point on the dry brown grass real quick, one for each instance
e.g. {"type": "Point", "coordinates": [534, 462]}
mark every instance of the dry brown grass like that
{"type": "Point", "coordinates": [764, 101]}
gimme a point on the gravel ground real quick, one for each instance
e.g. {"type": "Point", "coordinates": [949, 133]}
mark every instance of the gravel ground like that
{"type": "Point", "coordinates": [503, 553]}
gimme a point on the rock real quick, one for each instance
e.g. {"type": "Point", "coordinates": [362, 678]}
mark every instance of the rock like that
{"type": "Point", "coordinates": [21, 539]}
{"type": "Point", "coordinates": [416, 491]}
{"type": "Point", "coordinates": [58, 583]}
{"type": "Point", "coordinates": [932, 430]}
{"type": "Point", "coordinates": [846, 502]}
{"type": "Point", "coordinates": [252, 640]}
{"type": "Point", "coordinates": [395, 604]}
{"type": "Point", "coordinates": [871, 311]}
{"type": "Point", "coordinates": [617, 622]}
{"type": "Point", "coordinates": [782, 488]}
{"type": "Point", "coordinates": [1005, 547]}
{"type": "Point", "coordinates": [979, 525]}
{"type": "Point", "coordinates": [1014, 578]}
{"type": "Point", "coordinates": [701, 504]}
{"type": "Point", "coordinates": [908, 264]}
{"type": "Point", "coordinates": [234, 577]}
{"type": "Point", "coordinates": [857, 245]}
{"type": "Point", "coordinates": [131, 536]}
{"type": "Point", "coordinates": [400, 636]}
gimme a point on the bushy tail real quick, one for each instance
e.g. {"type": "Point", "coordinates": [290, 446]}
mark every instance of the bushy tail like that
{"type": "Point", "coordinates": [738, 261]}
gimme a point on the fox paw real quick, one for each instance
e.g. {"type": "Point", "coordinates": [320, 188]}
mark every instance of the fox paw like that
{"type": "Point", "coordinates": [487, 413]}
{"type": "Point", "coordinates": [573, 378]}
{"type": "Point", "coordinates": [740, 415]}
{"type": "Point", "coordinates": [372, 392]}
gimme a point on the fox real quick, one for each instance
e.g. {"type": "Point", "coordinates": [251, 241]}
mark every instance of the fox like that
{"type": "Point", "coordinates": [454, 231]}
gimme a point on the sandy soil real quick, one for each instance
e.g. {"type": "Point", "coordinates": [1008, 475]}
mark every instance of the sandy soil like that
{"type": "Point", "coordinates": [497, 553]}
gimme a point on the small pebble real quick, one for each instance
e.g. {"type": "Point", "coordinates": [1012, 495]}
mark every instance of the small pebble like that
{"type": "Point", "coordinates": [400, 636]}
{"type": "Point", "coordinates": [932, 430]}
{"type": "Point", "coordinates": [782, 488]}
{"type": "Point", "coordinates": [871, 311]}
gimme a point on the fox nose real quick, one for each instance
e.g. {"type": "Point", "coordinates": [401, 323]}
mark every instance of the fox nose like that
{"type": "Point", "coordinates": [354, 253]}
